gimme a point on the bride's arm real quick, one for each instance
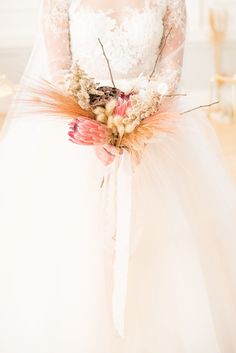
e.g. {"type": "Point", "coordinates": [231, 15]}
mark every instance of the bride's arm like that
{"type": "Point", "coordinates": [170, 65]}
{"type": "Point", "coordinates": [56, 35]}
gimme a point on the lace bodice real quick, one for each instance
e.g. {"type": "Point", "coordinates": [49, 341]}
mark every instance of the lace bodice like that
{"type": "Point", "coordinates": [132, 44]}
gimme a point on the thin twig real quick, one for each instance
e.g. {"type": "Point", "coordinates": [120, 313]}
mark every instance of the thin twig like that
{"type": "Point", "coordinates": [200, 107]}
{"type": "Point", "coordinates": [108, 63]}
{"type": "Point", "coordinates": [175, 95]}
{"type": "Point", "coordinates": [160, 53]}
{"type": "Point", "coordinates": [102, 182]}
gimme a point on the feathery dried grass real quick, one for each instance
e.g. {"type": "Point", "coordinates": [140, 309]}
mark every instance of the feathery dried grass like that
{"type": "Point", "coordinates": [136, 141]}
{"type": "Point", "coordinates": [148, 128]}
{"type": "Point", "coordinates": [47, 98]}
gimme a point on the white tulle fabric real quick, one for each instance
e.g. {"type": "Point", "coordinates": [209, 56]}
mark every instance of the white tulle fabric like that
{"type": "Point", "coordinates": [57, 223]}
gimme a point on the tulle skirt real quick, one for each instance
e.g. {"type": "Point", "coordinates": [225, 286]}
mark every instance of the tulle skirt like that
{"type": "Point", "coordinates": [57, 244]}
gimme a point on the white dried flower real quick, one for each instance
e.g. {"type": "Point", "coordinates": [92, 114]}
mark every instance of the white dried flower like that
{"type": "Point", "coordinates": [80, 85]}
{"type": "Point", "coordinates": [102, 118]}
{"type": "Point", "coordinates": [117, 120]}
{"type": "Point", "coordinates": [99, 110]}
{"type": "Point", "coordinates": [105, 114]}
{"type": "Point", "coordinates": [83, 99]}
{"type": "Point", "coordinates": [143, 108]}
{"type": "Point", "coordinates": [121, 129]}
{"type": "Point", "coordinates": [110, 106]}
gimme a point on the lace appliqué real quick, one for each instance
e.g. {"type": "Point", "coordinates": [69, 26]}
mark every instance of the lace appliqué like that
{"type": "Point", "coordinates": [55, 23]}
{"type": "Point", "coordinates": [168, 80]}
{"type": "Point", "coordinates": [170, 66]}
{"type": "Point", "coordinates": [56, 18]}
{"type": "Point", "coordinates": [131, 45]}
{"type": "Point", "coordinates": [176, 14]}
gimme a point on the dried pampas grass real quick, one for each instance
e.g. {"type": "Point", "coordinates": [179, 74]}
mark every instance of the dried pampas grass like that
{"type": "Point", "coordinates": [47, 98]}
{"type": "Point", "coordinates": [136, 141]}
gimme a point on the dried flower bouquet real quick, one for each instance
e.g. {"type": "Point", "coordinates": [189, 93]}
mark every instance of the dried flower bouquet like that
{"type": "Point", "coordinates": [104, 114]}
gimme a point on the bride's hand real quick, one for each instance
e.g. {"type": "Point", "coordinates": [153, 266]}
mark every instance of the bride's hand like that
{"type": "Point", "coordinates": [107, 153]}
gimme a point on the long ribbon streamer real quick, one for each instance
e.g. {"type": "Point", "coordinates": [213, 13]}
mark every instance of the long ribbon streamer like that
{"type": "Point", "coordinates": [122, 245]}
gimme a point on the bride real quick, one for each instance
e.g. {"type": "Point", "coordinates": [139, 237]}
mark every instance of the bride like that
{"type": "Point", "coordinates": [144, 264]}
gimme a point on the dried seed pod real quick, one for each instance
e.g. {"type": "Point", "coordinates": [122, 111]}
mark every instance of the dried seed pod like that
{"type": "Point", "coordinates": [110, 106]}
{"type": "Point", "coordinates": [95, 92]}
{"type": "Point", "coordinates": [102, 118]}
{"type": "Point", "coordinates": [99, 110]}
{"type": "Point", "coordinates": [114, 130]}
{"type": "Point", "coordinates": [117, 120]}
{"type": "Point", "coordinates": [126, 121]}
{"type": "Point", "coordinates": [129, 128]}
{"type": "Point", "coordinates": [121, 130]}
{"type": "Point", "coordinates": [110, 122]}
{"type": "Point", "coordinates": [107, 94]}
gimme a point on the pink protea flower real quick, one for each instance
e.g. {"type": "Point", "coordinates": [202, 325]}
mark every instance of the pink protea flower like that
{"type": "Point", "coordinates": [123, 103]}
{"type": "Point", "coordinates": [84, 131]}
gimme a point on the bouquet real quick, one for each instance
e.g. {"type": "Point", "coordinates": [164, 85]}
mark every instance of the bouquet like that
{"type": "Point", "coordinates": [102, 114]}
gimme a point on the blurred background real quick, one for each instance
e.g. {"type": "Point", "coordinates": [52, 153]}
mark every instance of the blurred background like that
{"type": "Point", "coordinates": [210, 58]}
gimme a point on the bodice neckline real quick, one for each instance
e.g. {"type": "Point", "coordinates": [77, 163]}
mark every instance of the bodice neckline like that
{"type": "Point", "coordinates": [118, 23]}
{"type": "Point", "coordinates": [131, 45]}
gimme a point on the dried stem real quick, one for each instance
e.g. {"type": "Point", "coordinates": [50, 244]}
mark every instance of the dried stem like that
{"type": "Point", "coordinates": [160, 53]}
{"type": "Point", "coordinates": [102, 182]}
{"type": "Point", "coordinates": [200, 107]}
{"type": "Point", "coordinates": [108, 63]}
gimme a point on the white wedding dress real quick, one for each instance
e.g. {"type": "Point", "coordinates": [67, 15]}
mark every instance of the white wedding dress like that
{"type": "Point", "coordinates": [63, 285]}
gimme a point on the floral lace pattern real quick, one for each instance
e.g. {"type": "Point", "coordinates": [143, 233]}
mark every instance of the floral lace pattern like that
{"type": "Point", "coordinates": [55, 26]}
{"type": "Point", "coordinates": [72, 29]}
{"type": "Point", "coordinates": [55, 16]}
{"type": "Point", "coordinates": [170, 66]}
{"type": "Point", "coordinates": [177, 14]}
{"type": "Point", "coordinates": [131, 49]}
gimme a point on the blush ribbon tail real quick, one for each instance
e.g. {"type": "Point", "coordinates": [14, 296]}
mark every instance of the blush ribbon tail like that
{"type": "Point", "coordinates": [122, 243]}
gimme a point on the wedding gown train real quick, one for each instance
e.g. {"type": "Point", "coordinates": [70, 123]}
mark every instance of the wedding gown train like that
{"type": "Point", "coordinates": [57, 227]}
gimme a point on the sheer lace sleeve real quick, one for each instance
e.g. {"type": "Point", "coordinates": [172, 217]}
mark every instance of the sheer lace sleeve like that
{"type": "Point", "coordinates": [55, 25]}
{"type": "Point", "coordinates": [170, 65]}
